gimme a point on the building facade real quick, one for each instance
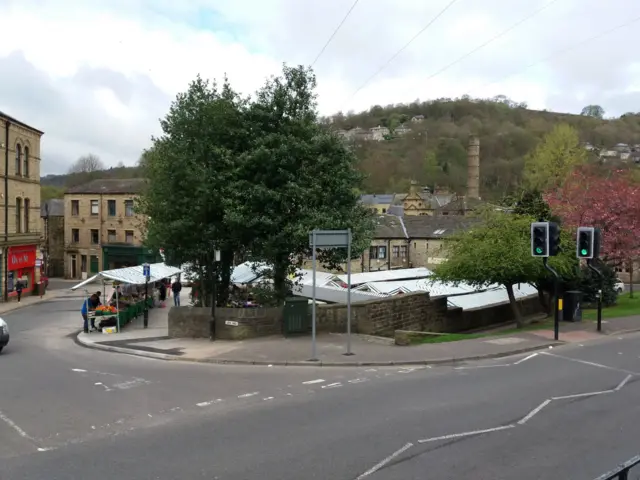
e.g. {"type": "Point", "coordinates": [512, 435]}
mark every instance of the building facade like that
{"type": "Point", "coordinates": [52, 227]}
{"type": "Point", "coordinates": [20, 199]}
{"type": "Point", "coordinates": [102, 230]}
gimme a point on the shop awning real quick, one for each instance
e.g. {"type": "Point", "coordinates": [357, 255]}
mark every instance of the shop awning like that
{"type": "Point", "coordinates": [133, 275]}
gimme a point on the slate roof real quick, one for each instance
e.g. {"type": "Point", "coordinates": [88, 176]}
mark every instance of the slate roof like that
{"type": "Point", "coordinates": [463, 204]}
{"type": "Point", "coordinates": [377, 199]}
{"type": "Point", "coordinates": [52, 208]}
{"type": "Point", "coordinates": [427, 226]}
{"type": "Point", "coordinates": [110, 186]}
{"type": "Point", "coordinates": [389, 226]}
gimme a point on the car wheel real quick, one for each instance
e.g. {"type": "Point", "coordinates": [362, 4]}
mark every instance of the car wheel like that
{"type": "Point", "coordinates": [1, 349]}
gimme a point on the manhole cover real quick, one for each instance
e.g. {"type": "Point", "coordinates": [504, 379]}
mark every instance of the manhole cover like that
{"type": "Point", "coordinates": [506, 341]}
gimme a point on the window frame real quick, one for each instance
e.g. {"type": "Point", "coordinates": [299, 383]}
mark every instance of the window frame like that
{"type": "Point", "coordinates": [112, 203]}
{"type": "Point", "coordinates": [95, 203]}
{"type": "Point", "coordinates": [128, 233]}
{"type": "Point", "coordinates": [97, 237]}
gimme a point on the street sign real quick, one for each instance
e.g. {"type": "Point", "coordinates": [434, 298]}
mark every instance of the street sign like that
{"type": "Point", "coordinates": [38, 262]}
{"type": "Point", "coordinates": [325, 239]}
{"type": "Point", "coordinates": [146, 271]}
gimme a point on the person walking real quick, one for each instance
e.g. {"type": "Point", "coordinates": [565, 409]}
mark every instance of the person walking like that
{"type": "Point", "coordinates": [176, 288]}
{"type": "Point", "coordinates": [19, 289]}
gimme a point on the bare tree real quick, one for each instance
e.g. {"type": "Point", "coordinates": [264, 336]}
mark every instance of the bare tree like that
{"type": "Point", "coordinates": [87, 163]}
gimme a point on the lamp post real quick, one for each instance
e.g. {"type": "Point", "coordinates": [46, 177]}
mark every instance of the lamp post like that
{"type": "Point", "coordinates": [146, 271]}
{"type": "Point", "coordinates": [214, 281]}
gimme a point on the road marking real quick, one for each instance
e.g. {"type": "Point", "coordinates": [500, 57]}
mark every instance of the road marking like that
{"type": "Point", "coordinates": [381, 464]}
{"type": "Point", "coordinates": [311, 382]}
{"type": "Point", "coordinates": [482, 366]}
{"type": "Point", "coordinates": [332, 385]}
{"type": "Point", "coordinates": [466, 434]}
{"type": "Point", "coordinates": [585, 362]}
{"type": "Point", "coordinates": [13, 425]}
{"type": "Point", "coordinates": [359, 380]}
{"type": "Point", "coordinates": [268, 398]}
{"type": "Point", "coordinates": [522, 360]}
{"type": "Point", "coordinates": [78, 370]}
{"type": "Point", "coordinates": [623, 382]}
{"type": "Point", "coordinates": [136, 382]}
{"type": "Point", "coordinates": [578, 395]}
{"type": "Point", "coordinates": [533, 412]}
{"type": "Point", "coordinates": [247, 395]}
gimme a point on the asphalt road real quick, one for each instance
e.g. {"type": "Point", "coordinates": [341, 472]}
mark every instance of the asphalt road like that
{"type": "Point", "coordinates": [71, 413]}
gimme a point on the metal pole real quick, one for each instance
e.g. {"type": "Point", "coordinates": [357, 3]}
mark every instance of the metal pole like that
{"type": "Point", "coordinates": [556, 288]}
{"type": "Point", "coordinates": [313, 301]}
{"type": "Point", "coordinates": [212, 322]}
{"type": "Point", "coordinates": [349, 294]}
{"type": "Point", "coordinates": [117, 310]}
{"type": "Point", "coordinates": [146, 302]}
{"type": "Point", "coordinates": [601, 277]}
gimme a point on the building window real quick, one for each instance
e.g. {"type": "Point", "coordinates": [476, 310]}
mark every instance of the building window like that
{"type": "Point", "coordinates": [403, 251]}
{"type": "Point", "coordinates": [18, 159]}
{"type": "Point", "coordinates": [27, 205]}
{"type": "Point", "coordinates": [75, 208]}
{"type": "Point", "coordinates": [379, 253]}
{"type": "Point", "coordinates": [18, 215]}
{"type": "Point", "coordinates": [95, 207]}
{"type": "Point", "coordinates": [128, 236]}
{"type": "Point", "coordinates": [95, 236]}
{"type": "Point", "coordinates": [25, 163]}
{"type": "Point", "coordinates": [83, 263]}
{"type": "Point", "coordinates": [111, 236]}
{"type": "Point", "coordinates": [75, 235]}
{"type": "Point", "coordinates": [111, 204]}
{"type": "Point", "coordinates": [128, 208]}
{"type": "Point", "coordinates": [384, 210]}
{"type": "Point", "coordinates": [396, 251]}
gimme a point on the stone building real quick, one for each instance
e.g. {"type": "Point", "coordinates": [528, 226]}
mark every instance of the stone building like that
{"type": "Point", "coordinates": [102, 229]}
{"type": "Point", "coordinates": [20, 199]}
{"type": "Point", "coordinates": [52, 227]}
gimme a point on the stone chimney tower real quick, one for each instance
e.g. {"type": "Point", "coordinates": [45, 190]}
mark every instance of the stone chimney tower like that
{"type": "Point", "coordinates": [473, 169]}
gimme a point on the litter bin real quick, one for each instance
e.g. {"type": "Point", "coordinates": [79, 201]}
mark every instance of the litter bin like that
{"type": "Point", "coordinates": [296, 316]}
{"type": "Point", "coordinates": [571, 306]}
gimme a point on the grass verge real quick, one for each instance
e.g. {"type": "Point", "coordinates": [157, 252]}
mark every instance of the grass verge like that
{"type": "Point", "coordinates": [625, 307]}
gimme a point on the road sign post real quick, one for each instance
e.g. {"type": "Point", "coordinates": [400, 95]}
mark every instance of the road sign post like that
{"type": "Point", "coordinates": [146, 271]}
{"type": "Point", "coordinates": [325, 240]}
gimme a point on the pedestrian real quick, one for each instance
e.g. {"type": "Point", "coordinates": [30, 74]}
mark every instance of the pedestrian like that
{"type": "Point", "coordinates": [19, 289]}
{"type": "Point", "coordinates": [176, 288]}
{"type": "Point", "coordinates": [84, 311]}
{"type": "Point", "coordinates": [162, 293]}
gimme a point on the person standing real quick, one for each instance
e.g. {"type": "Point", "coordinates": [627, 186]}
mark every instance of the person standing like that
{"type": "Point", "coordinates": [84, 311]}
{"type": "Point", "coordinates": [176, 288]}
{"type": "Point", "coordinates": [19, 289]}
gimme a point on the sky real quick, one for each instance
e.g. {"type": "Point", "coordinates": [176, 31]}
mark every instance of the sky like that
{"type": "Point", "coordinates": [97, 75]}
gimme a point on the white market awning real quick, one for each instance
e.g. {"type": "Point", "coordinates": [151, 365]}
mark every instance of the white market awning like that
{"type": "Point", "coordinates": [133, 275]}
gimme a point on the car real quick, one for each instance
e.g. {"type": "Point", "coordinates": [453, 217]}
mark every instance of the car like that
{"type": "Point", "coordinates": [619, 286]}
{"type": "Point", "coordinates": [4, 334]}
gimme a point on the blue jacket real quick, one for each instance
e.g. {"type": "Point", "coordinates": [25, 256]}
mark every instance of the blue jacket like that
{"type": "Point", "coordinates": [85, 307]}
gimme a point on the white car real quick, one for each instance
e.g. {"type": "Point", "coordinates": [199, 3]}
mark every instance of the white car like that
{"type": "Point", "coordinates": [619, 286]}
{"type": "Point", "coordinates": [4, 334]}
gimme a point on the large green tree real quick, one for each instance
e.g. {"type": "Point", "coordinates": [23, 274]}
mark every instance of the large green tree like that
{"type": "Point", "coordinates": [498, 251]}
{"type": "Point", "coordinates": [191, 172]}
{"type": "Point", "coordinates": [295, 176]}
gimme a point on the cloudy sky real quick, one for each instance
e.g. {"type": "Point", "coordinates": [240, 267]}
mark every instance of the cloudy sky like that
{"type": "Point", "coordinates": [96, 75]}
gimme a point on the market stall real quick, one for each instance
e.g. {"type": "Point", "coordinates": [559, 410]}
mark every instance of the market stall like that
{"type": "Point", "coordinates": [127, 293]}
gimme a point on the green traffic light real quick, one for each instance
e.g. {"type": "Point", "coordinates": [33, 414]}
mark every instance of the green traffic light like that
{"type": "Point", "coordinates": [538, 250]}
{"type": "Point", "coordinates": [583, 252]}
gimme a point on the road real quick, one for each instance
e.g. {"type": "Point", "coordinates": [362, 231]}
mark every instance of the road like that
{"type": "Point", "coordinates": [70, 413]}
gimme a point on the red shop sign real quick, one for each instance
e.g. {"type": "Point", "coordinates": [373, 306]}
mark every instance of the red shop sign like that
{"type": "Point", "coordinates": [21, 257]}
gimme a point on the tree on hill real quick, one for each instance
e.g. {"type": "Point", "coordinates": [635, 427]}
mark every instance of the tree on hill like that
{"type": "Point", "coordinates": [555, 157]}
{"type": "Point", "coordinates": [595, 111]}
{"type": "Point", "coordinates": [499, 252]}
{"type": "Point", "coordinates": [87, 164]}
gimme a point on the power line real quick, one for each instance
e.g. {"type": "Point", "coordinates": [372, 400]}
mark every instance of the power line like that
{"type": "Point", "coordinates": [491, 40]}
{"type": "Point", "coordinates": [561, 52]}
{"type": "Point", "coordinates": [395, 55]}
{"type": "Point", "coordinates": [335, 31]}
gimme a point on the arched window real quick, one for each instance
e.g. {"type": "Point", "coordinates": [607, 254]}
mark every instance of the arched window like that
{"type": "Point", "coordinates": [27, 204]}
{"type": "Point", "coordinates": [25, 163]}
{"type": "Point", "coordinates": [18, 159]}
{"type": "Point", "coordinates": [18, 215]}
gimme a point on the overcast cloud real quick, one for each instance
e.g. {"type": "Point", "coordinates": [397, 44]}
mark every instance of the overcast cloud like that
{"type": "Point", "coordinates": [96, 76]}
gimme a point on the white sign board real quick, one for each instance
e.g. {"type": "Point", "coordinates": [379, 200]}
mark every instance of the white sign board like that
{"type": "Point", "coordinates": [231, 323]}
{"type": "Point", "coordinates": [329, 239]}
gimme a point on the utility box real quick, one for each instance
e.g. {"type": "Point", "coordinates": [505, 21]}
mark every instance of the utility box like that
{"type": "Point", "coordinates": [571, 306]}
{"type": "Point", "coordinates": [296, 316]}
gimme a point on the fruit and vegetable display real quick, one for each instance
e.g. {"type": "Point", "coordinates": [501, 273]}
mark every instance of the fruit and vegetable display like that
{"type": "Point", "coordinates": [106, 309]}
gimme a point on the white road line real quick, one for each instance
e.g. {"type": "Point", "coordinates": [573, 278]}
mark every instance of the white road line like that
{"type": "Point", "coordinates": [359, 380]}
{"type": "Point", "coordinates": [13, 425]}
{"type": "Point", "coordinates": [623, 382]}
{"type": "Point", "coordinates": [482, 366]}
{"type": "Point", "coordinates": [268, 398]}
{"type": "Point", "coordinates": [381, 464]}
{"type": "Point", "coordinates": [78, 370]}
{"type": "Point", "coordinates": [246, 395]}
{"type": "Point", "coordinates": [204, 404]}
{"type": "Point", "coordinates": [533, 412]}
{"type": "Point", "coordinates": [522, 360]}
{"type": "Point", "coordinates": [466, 434]}
{"type": "Point", "coordinates": [585, 362]}
{"type": "Point", "coordinates": [332, 385]}
{"type": "Point", "coordinates": [311, 382]}
{"type": "Point", "coordinates": [579, 395]}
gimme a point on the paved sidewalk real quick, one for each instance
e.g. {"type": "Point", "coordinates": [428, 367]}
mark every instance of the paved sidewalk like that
{"type": "Point", "coordinates": [29, 300]}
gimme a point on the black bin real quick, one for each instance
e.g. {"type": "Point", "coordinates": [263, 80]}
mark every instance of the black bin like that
{"type": "Point", "coordinates": [571, 306]}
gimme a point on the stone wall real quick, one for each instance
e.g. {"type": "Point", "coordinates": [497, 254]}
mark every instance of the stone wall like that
{"type": "Point", "coordinates": [241, 323]}
{"type": "Point", "coordinates": [416, 312]}
{"type": "Point", "coordinates": [189, 322]}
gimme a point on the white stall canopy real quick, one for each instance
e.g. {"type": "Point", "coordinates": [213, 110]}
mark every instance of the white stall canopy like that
{"type": "Point", "coordinates": [133, 275]}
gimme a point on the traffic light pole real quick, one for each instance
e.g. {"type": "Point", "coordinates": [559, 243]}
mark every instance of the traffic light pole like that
{"type": "Point", "coordinates": [601, 277]}
{"type": "Point", "coordinates": [556, 294]}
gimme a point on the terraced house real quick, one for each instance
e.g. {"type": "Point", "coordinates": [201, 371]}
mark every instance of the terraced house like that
{"type": "Point", "coordinates": [20, 237]}
{"type": "Point", "coordinates": [102, 229]}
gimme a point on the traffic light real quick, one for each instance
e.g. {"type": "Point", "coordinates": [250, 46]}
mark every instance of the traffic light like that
{"type": "Point", "coordinates": [554, 239]}
{"type": "Point", "coordinates": [540, 239]}
{"type": "Point", "coordinates": [588, 243]}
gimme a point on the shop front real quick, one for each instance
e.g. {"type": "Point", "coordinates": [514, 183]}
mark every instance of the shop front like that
{"type": "Point", "coordinates": [21, 263]}
{"type": "Point", "coordinates": [122, 256]}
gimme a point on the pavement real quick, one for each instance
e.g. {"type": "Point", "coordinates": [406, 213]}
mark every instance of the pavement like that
{"type": "Point", "coordinates": [72, 413]}
{"type": "Point", "coordinates": [331, 349]}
